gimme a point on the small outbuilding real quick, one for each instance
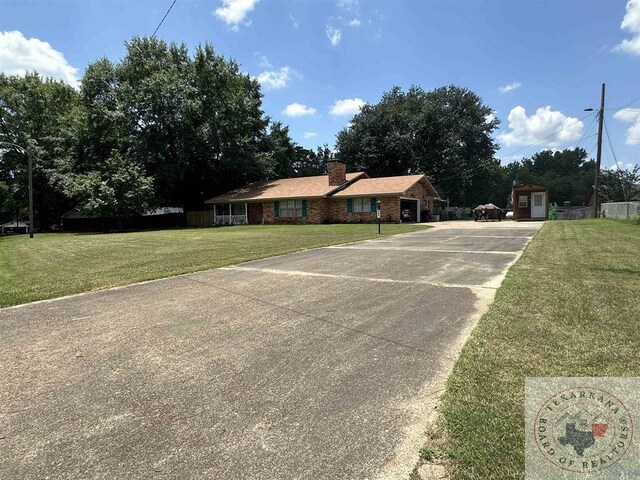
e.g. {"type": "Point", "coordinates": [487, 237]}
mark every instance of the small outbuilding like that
{"type": "Point", "coordinates": [530, 202]}
{"type": "Point", "coordinates": [14, 227]}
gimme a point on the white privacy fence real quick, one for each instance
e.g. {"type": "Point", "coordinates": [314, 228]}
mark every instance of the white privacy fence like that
{"type": "Point", "coordinates": [621, 210]}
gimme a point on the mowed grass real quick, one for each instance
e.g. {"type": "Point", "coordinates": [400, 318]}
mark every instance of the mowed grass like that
{"type": "Point", "coordinates": [53, 265]}
{"type": "Point", "coordinates": [569, 307]}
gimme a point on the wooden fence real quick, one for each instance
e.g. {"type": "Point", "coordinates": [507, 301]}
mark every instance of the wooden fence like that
{"type": "Point", "coordinates": [201, 218]}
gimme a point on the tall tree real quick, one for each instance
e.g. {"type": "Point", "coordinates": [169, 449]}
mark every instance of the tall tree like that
{"type": "Point", "coordinates": [194, 122]}
{"type": "Point", "coordinates": [278, 152]}
{"type": "Point", "coordinates": [445, 133]}
{"type": "Point", "coordinates": [619, 185]}
{"type": "Point", "coordinates": [309, 163]}
{"type": "Point", "coordinates": [568, 174]}
{"type": "Point", "coordinates": [116, 187]}
{"type": "Point", "coordinates": [36, 113]}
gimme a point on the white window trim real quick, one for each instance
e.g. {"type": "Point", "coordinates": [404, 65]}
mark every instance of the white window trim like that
{"type": "Point", "coordinates": [526, 201]}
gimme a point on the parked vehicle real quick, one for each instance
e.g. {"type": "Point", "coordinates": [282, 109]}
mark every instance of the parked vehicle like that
{"type": "Point", "coordinates": [488, 212]}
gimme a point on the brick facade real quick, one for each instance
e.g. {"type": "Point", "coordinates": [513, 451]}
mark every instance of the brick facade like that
{"type": "Point", "coordinates": [419, 191]}
{"type": "Point", "coordinates": [316, 208]}
{"type": "Point", "coordinates": [334, 209]}
{"type": "Point", "coordinates": [337, 173]}
{"type": "Point", "coordinates": [337, 211]}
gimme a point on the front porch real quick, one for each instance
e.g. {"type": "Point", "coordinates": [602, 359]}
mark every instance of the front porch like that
{"type": "Point", "coordinates": [230, 214]}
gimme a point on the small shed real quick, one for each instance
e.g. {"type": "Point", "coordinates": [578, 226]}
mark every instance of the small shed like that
{"type": "Point", "coordinates": [530, 202]}
{"type": "Point", "coordinates": [14, 227]}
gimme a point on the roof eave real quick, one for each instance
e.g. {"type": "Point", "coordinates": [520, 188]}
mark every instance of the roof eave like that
{"type": "Point", "coordinates": [346, 184]}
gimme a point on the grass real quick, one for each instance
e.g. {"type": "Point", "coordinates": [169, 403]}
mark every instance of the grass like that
{"type": "Point", "coordinates": [569, 307]}
{"type": "Point", "coordinates": [53, 265]}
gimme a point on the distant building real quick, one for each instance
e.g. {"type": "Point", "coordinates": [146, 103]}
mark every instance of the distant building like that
{"type": "Point", "coordinates": [165, 217]}
{"type": "Point", "coordinates": [14, 227]}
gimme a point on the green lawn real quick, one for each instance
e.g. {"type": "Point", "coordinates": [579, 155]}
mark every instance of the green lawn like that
{"type": "Point", "coordinates": [569, 307]}
{"type": "Point", "coordinates": [52, 265]}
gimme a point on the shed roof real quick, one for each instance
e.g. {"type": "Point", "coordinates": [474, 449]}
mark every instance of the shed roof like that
{"type": "Point", "coordinates": [13, 224]}
{"type": "Point", "coordinates": [302, 187]}
{"type": "Point", "coordinates": [530, 186]}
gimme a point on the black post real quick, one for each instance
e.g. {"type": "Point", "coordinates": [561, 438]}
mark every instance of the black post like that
{"type": "Point", "coordinates": [596, 181]}
{"type": "Point", "coordinates": [30, 181]}
{"type": "Point", "coordinates": [378, 214]}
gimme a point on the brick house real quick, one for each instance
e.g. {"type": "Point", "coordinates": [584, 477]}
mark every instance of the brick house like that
{"type": "Point", "coordinates": [334, 198]}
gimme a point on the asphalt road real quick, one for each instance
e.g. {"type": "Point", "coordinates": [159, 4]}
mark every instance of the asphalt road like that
{"type": "Point", "coordinates": [322, 364]}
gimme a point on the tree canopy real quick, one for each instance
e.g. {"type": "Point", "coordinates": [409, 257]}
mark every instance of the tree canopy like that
{"type": "Point", "coordinates": [445, 133]}
{"type": "Point", "coordinates": [167, 127]}
{"type": "Point", "coordinates": [179, 127]}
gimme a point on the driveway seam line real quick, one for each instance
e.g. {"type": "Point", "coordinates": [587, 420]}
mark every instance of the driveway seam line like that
{"type": "Point", "coordinates": [353, 277]}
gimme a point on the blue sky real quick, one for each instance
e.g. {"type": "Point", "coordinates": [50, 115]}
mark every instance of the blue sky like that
{"type": "Point", "coordinates": [537, 64]}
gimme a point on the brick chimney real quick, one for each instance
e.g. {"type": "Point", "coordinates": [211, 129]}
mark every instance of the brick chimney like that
{"type": "Point", "coordinates": [337, 173]}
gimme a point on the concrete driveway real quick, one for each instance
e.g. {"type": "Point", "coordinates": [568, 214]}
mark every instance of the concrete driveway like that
{"type": "Point", "coordinates": [322, 364]}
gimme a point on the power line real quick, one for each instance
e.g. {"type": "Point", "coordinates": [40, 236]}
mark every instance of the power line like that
{"type": "Point", "coordinates": [162, 21]}
{"type": "Point", "coordinates": [584, 137]}
{"type": "Point", "coordinates": [606, 129]}
{"type": "Point", "coordinates": [544, 138]}
{"type": "Point", "coordinates": [625, 106]}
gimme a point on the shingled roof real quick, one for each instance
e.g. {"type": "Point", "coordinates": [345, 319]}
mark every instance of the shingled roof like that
{"type": "Point", "coordinates": [384, 186]}
{"type": "Point", "coordinates": [303, 187]}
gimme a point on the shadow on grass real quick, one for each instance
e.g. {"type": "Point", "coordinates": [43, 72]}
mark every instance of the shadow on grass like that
{"type": "Point", "coordinates": [615, 270]}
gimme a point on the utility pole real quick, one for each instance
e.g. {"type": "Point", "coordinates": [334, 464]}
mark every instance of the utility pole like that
{"type": "Point", "coordinates": [30, 182]}
{"type": "Point", "coordinates": [596, 212]}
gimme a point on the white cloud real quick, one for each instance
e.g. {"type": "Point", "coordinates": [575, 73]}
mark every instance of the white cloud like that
{"type": "Point", "coordinates": [298, 110]}
{"type": "Point", "coordinates": [333, 34]}
{"type": "Point", "coordinates": [274, 79]}
{"type": "Point", "coordinates": [489, 118]}
{"type": "Point", "coordinates": [347, 106]}
{"type": "Point", "coordinates": [508, 88]}
{"type": "Point", "coordinates": [348, 4]}
{"type": "Point", "coordinates": [264, 62]}
{"type": "Point", "coordinates": [19, 55]}
{"type": "Point", "coordinates": [355, 22]}
{"type": "Point", "coordinates": [630, 115]}
{"type": "Point", "coordinates": [294, 21]}
{"type": "Point", "coordinates": [631, 23]}
{"type": "Point", "coordinates": [526, 130]}
{"type": "Point", "coordinates": [233, 12]}
{"type": "Point", "coordinates": [619, 165]}
{"type": "Point", "coordinates": [310, 134]}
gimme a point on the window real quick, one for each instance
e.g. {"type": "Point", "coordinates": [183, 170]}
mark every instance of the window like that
{"type": "Point", "coordinates": [522, 201]}
{"type": "Point", "coordinates": [361, 204]}
{"type": "Point", "coordinates": [238, 208]}
{"type": "Point", "coordinates": [537, 200]}
{"type": "Point", "coordinates": [291, 208]}
{"type": "Point", "coordinates": [233, 208]}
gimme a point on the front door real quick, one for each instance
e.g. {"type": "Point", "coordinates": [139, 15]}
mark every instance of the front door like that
{"type": "Point", "coordinates": [537, 205]}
